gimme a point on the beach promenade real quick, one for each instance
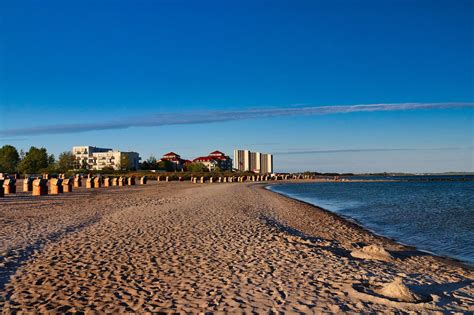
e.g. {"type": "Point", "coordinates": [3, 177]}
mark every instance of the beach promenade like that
{"type": "Point", "coordinates": [234, 247]}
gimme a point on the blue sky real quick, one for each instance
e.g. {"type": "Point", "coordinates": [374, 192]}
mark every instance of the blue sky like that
{"type": "Point", "coordinates": [93, 62]}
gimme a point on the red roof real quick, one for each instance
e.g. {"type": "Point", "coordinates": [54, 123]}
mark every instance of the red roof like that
{"type": "Point", "coordinates": [211, 158]}
{"type": "Point", "coordinates": [216, 153]}
{"type": "Point", "coordinates": [171, 154]}
{"type": "Point", "coordinates": [172, 159]}
{"type": "Point", "coordinates": [203, 158]}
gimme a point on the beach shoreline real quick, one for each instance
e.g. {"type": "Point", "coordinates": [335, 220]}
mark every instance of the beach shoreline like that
{"type": "Point", "coordinates": [359, 225]}
{"type": "Point", "coordinates": [233, 247]}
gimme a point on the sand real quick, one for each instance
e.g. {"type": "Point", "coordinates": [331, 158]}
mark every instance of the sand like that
{"type": "Point", "coordinates": [207, 247]}
{"type": "Point", "coordinates": [372, 252]}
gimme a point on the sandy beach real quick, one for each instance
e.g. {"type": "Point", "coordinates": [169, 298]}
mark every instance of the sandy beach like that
{"type": "Point", "coordinates": [208, 247]}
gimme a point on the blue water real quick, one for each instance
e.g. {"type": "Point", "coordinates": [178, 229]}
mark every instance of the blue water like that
{"type": "Point", "coordinates": [435, 216]}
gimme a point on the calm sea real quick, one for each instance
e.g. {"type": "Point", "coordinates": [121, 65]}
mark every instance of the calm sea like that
{"type": "Point", "coordinates": [435, 216]}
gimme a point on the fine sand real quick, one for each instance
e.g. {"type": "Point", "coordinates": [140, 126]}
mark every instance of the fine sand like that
{"type": "Point", "coordinates": [208, 247]}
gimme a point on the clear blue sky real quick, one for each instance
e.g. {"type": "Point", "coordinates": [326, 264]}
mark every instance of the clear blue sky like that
{"type": "Point", "coordinates": [79, 62]}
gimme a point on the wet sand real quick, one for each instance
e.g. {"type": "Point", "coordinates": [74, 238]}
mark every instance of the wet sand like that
{"type": "Point", "coordinates": [206, 247]}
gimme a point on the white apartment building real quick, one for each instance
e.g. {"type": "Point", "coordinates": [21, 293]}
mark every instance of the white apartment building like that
{"type": "Point", "coordinates": [245, 160]}
{"type": "Point", "coordinates": [95, 158]}
{"type": "Point", "coordinates": [214, 160]}
{"type": "Point", "coordinates": [266, 165]}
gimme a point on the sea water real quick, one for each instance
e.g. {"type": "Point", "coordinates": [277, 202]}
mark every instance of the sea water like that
{"type": "Point", "coordinates": [435, 216]}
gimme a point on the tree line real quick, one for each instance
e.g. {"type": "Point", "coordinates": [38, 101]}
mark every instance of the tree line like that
{"type": "Point", "coordinates": [37, 161]}
{"type": "Point", "coordinates": [34, 161]}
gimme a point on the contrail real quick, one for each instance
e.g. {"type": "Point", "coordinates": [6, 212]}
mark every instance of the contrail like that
{"type": "Point", "coordinates": [164, 119]}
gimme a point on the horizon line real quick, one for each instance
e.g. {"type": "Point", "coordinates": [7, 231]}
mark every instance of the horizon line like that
{"type": "Point", "coordinates": [327, 151]}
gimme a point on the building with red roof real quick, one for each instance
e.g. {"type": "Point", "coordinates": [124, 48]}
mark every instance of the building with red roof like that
{"type": "Point", "coordinates": [176, 160]}
{"type": "Point", "coordinates": [215, 160]}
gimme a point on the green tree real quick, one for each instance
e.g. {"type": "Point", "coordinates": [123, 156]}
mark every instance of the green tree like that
{"type": "Point", "coordinates": [107, 170]}
{"type": "Point", "coordinates": [149, 164]}
{"type": "Point", "coordinates": [9, 159]}
{"type": "Point", "coordinates": [152, 163]}
{"type": "Point", "coordinates": [35, 161]}
{"type": "Point", "coordinates": [84, 165]}
{"type": "Point", "coordinates": [151, 160]}
{"type": "Point", "coordinates": [145, 166]}
{"type": "Point", "coordinates": [165, 166]}
{"type": "Point", "coordinates": [51, 160]}
{"type": "Point", "coordinates": [66, 161]}
{"type": "Point", "coordinates": [197, 167]}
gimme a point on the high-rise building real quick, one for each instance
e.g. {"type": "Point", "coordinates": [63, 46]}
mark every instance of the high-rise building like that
{"type": "Point", "coordinates": [241, 160]}
{"type": "Point", "coordinates": [256, 162]}
{"type": "Point", "coordinates": [266, 163]}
